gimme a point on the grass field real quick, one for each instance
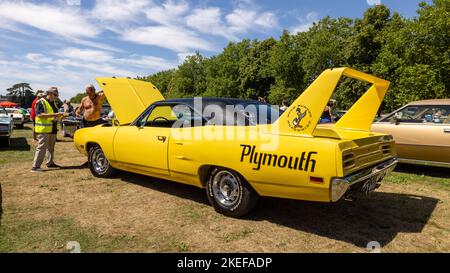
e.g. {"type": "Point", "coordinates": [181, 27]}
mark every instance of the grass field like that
{"type": "Point", "coordinates": [134, 213]}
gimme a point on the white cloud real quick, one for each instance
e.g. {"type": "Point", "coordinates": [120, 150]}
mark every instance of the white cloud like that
{"type": "Point", "coordinates": [58, 20]}
{"type": "Point", "coordinates": [267, 20]}
{"type": "Point", "coordinates": [305, 22]}
{"type": "Point", "coordinates": [174, 38]}
{"type": "Point", "coordinates": [209, 20]}
{"type": "Point", "coordinates": [152, 63]}
{"type": "Point", "coordinates": [74, 67]}
{"type": "Point", "coordinates": [243, 20]}
{"type": "Point", "coordinates": [169, 13]}
{"type": "Point", "coordinates": [119, 10]}
{"type": "Point", "coordinates": [373, 2]}
{"type": "Point", "coordinates": [38, 58]}
{"type": "Point", "coordinates": [85, 54]}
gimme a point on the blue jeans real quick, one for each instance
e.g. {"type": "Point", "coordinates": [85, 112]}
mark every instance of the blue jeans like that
{"type": "Point", "coordinates": [325, 120]}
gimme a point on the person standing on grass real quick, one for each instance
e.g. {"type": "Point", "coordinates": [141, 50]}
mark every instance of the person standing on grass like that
{"type": "Point", "coordinates": [91, 107]}
{"type": "Point", "coordinates": [39, 95]}
{"type": "Point", "coordinates": [46, 128]}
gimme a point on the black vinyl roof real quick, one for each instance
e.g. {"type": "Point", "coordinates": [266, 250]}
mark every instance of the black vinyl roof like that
{"type": "Point", "coordinates": [207, 101]}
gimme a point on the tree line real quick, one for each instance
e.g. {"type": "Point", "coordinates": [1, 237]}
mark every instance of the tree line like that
{"type": "Point", "coordinates": [412, 53]}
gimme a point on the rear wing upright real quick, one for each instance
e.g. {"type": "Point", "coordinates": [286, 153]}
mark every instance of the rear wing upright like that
{"type": "Point", "coordinates": [304, 114]}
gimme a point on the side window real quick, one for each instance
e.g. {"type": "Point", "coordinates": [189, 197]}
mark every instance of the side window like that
{"type": "Point", "coordinates": [179, 115]}
{"type": "Point", "coordinates": [422, 114]}
{"type": "Point", "coordinates": [161, 116]}
{"type": "Point", "coordinates": [443, 114]}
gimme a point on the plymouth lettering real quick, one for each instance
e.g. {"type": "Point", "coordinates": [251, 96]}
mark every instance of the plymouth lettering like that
{"type": "Point", "coordinates": [303, 162]}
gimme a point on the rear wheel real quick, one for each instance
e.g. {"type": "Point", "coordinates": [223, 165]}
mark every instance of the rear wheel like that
{"type": "Point", "coordinates": [99, 164]}
{"type": "Point", "coordinates": [229, 193]}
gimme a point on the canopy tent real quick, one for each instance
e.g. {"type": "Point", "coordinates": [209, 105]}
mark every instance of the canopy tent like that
{"type": "Point", "coordinates": [8, 104]}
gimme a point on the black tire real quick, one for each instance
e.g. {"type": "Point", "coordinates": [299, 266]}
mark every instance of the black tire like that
{"type": "Point", "coordinates": [99, 164]}
{"type": "Point", "coordinates": [245, 197]}
{"type": "Point", "coordinates": [20, 126]}
{"type": "Point", "coordinates": [5, 141]}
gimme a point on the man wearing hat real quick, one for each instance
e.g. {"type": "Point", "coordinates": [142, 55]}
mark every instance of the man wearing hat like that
{"type": "Point", "coordinates": [45, 127]}
{"type": "Point", "coordinates": [39, 95]}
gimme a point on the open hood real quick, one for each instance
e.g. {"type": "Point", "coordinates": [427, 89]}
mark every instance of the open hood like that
{"type": "Point", "coordinates": [129, 98]}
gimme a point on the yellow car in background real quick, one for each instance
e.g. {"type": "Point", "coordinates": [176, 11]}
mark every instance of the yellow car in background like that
{"type": "Point", "coordinates": [421, 130]}
{"type": "Point", "coordinates": [239, 149]}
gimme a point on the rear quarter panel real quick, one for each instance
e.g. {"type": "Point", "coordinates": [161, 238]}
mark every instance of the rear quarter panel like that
{"type": "Point", "coordinates": [288, 177]}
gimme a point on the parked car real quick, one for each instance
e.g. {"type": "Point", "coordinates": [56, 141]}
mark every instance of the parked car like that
{"type": "Point", "coordinates": [6, 126]}
{"type": "Point", "coordinates": [71, 124]}
{"type": "Point", "coordinates": [264, 155]}
{"type": "Point", "coordinates": [18, 117]}
{"type": "Point", "coordinates": [338, 114]}
{"type": "Point", "coordinates": [421, 131]}
{"type": "Point", "coordinates": [26, 114]}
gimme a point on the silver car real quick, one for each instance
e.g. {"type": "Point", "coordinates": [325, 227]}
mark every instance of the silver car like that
{"type": "Point", "coordinates": [6, 127]}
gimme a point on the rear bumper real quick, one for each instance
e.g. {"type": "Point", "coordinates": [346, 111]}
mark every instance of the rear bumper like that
{"type": "Point", "coordinates": [366, 180]}
{"type": "Point", "coordinates": [5, 132]}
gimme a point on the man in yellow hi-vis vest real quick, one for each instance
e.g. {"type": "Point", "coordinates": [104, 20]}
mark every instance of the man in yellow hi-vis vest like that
{"type": "Point", "coordinates": [45, 127]}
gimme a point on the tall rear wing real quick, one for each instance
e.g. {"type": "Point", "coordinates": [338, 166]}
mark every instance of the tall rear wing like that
{"type": "Point", "coordinates": [304, 114]}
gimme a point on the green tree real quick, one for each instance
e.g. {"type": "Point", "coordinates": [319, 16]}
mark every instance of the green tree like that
{"type": "Point", "coordinates": [21, 93]}
{"type": "Point", "coordinates": [77, 98]}
{"type": "Point", "coordinates": [161, 80]}
{"type": "Point", "coordinates": [189, 79]}
{"type": "Point", "coordinates": [255, 71]}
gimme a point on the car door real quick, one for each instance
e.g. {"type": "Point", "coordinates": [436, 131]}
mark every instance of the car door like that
{"type": "Point", "coordinates": [143, 146]}
{"type": "Point", "coordinates": [421, 132]}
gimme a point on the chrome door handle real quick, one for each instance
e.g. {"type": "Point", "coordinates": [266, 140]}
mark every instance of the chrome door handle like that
{"type": "Point", "coordinates": [162, 138]}
{"type": "Point", "coordinates": [447, 130]}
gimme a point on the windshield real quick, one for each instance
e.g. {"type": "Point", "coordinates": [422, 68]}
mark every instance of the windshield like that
{"type": "Point", "coordinates": [13, 111]}
{"type": "Point", "coordinates": [421, 114]}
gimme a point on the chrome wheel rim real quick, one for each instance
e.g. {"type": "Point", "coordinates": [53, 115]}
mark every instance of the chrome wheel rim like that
{"type": "Point", "coordinates": [226, 188]}
{"type": "Point", "coordinates": [99, 161]}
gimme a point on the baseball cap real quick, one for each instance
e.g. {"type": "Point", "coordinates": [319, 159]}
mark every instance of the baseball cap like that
{"type": "Point", "coordinates": [52, 90]}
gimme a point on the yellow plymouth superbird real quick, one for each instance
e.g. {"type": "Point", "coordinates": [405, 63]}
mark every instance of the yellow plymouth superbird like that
{"type": "Point", "coordinates": [241, 149]}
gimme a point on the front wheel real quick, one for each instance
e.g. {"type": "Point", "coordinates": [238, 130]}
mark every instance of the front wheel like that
{"type": "Point", "coordinates": [229, 193]}
{"type": "Point", "coordinates": [99, 164]}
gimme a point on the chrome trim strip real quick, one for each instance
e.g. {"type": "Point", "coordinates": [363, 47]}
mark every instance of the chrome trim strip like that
{"type": "Point", "coordinates": [424, 162]}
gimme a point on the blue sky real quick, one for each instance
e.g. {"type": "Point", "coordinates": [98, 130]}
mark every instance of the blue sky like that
{"type": "Point", "coordinates": [67, 43]}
